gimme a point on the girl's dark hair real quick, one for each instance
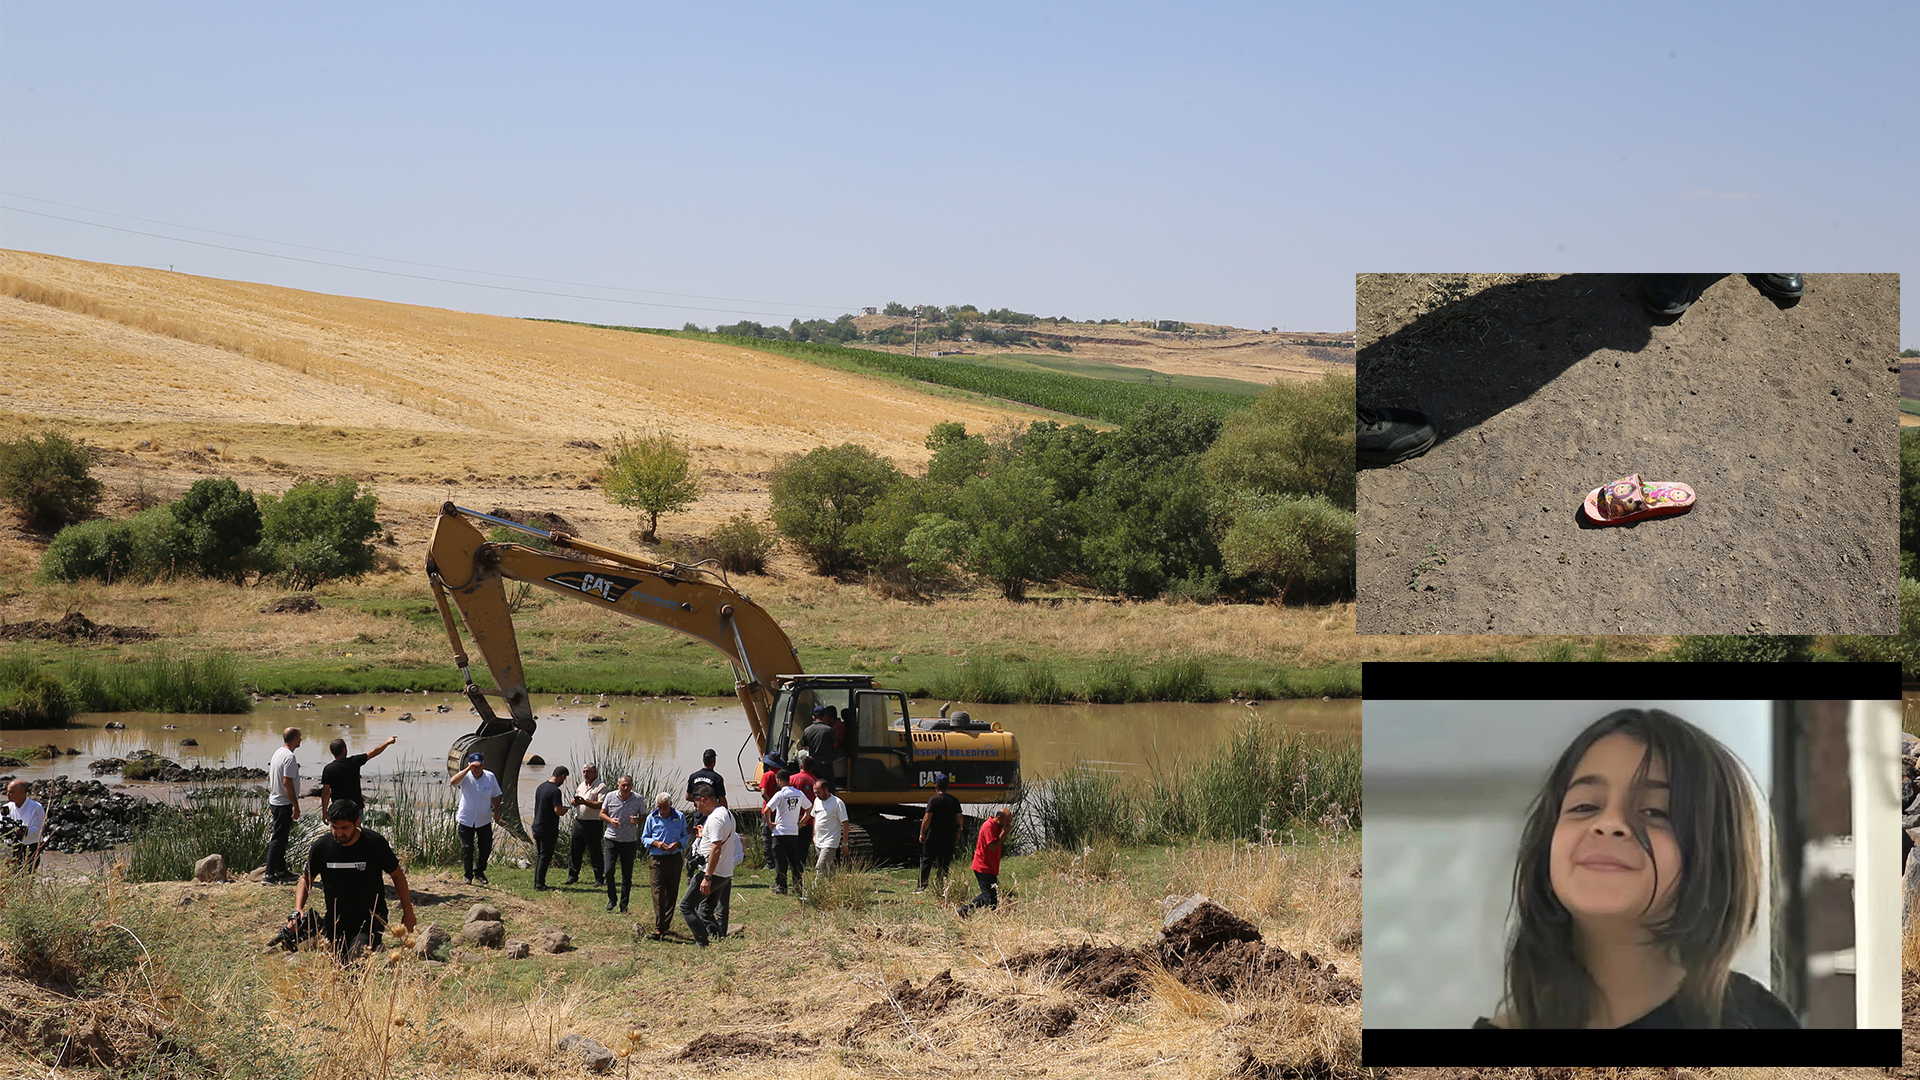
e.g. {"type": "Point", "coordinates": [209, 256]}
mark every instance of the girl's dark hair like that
{"type": "Point", "coordinates": [1714, 819]}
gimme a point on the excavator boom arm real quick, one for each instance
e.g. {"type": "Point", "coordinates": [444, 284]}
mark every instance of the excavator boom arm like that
{"type": "Point", "coordinates": [462, 564]}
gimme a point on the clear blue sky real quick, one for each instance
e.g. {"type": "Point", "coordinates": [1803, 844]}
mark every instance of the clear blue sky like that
{"type": "Point", "coordinates": [1228, 163]}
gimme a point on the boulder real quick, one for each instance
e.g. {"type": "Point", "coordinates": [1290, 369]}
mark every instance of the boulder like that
{"type": "Point", "coordinates": [1175, 908]}
{"type": "Point", "coordinates": [1910, 892]}
{"type": "Point", "coordinates": [535, 760]}
{"type": "Point", "coordinates": [595, 1057]}
{"type": "Point", "coordinates": [488, 932]}
{"type": "Point", "coordinates": [432, 943]}
{"type": "Point", "coordinates": [1909, 746]}
{"type": "Point", "coordinates": [483, 913]}
{"type": "Point", "coordinates": [556, 941]}
{"type": "Point", "coordinates": [518, 950]}
{"type": "Point", "coordinates": [211, 868]}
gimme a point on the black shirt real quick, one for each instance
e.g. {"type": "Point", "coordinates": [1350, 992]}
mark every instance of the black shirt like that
{"type": "Point", "coordinates": [548, 805]}
{"type": "Point", "coordinates": [710, 777]}
{"type": "Point", "coordinates": [342, 778]}
{"type": "Point", "coordinates": [350, 873]}
{"type": "Point", "coordinates": [818, 739]}
{"type": "Point", "coordinates": [1747, 1005]}
{"type": "Point", "coordinates": [944, 811]}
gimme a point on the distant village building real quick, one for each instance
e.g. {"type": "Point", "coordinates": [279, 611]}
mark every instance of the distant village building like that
{"type": "Point", "coordinates": [869, 311]}
{"type": "Point", "coordinates": [966, 337]}
{"type": "Point", "coordinates": [1167, 324]}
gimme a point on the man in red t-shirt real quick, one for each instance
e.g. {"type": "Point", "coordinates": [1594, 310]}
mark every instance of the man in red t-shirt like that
{"type": "Point", "coordinates": [986, 860]}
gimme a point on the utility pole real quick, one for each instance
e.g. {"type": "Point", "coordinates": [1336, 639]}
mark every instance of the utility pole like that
{"type": "Point", "coordinates": [916, 330]}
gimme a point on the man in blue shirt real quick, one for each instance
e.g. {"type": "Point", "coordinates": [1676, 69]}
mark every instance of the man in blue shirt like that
{"type": "Point", "coordinates": [665, 839]}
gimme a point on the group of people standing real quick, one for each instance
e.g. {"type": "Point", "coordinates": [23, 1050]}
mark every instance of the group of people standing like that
{"type": "Point", "coordinates": [615, 825]}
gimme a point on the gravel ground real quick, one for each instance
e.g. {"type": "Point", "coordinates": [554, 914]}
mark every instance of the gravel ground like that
{"type": "Point", "coordinates": [1782, 418]}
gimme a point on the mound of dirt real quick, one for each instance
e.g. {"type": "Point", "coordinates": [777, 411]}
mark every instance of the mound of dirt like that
{"type": "Point", "coordinates": [1210, 949]}
{"type": "Point", "coordinates": [539, 519]}
{"type": "Point", "coordinates": [713, 1046]}
{"type": "Point", "coordinates": [297, 604]}
{"type": "Point", "coordinates": [929, 1000]}
{"type": "Point", "coordinates": [1104, 971]}
{"type": "Point", "coordinates": [71, 628]}
{"type": "Point", "coordinates": [1204, 929]}
{"type": "Point", "coordinates": [78, 1031]}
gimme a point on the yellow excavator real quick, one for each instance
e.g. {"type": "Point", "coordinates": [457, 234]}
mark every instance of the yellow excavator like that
{"type": "Point", "coordinates": [886, 762]}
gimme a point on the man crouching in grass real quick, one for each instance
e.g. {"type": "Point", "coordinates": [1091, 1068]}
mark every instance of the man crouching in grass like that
{"type": "Point", "coordinates": [349, 864]}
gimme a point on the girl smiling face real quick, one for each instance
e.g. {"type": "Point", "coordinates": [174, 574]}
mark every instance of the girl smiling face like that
{"type": "Point", "coordinates": [1597, 867]}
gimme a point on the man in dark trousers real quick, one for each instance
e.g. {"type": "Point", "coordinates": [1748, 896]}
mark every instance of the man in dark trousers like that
{"type": "Point", "coordinates": [549, 806]}
{"type": "Point", "coordinates": [341, 778]}
{"type": "Point", "coordinates": [588, 829]}
{"type": "Point", "coordinates": [348, 863]}
{"type": "Point", "coordinates": [986, 860]}
{"type": "Point", "coordinates": [939, 832]}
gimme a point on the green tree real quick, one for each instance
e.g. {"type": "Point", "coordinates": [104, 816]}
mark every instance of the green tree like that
{"type": "Point", "coordinates": [935, 542]}
{"type": "Point", "coordinates": [140, 548]}
{"type": "Point", "coordinates": [218, 525]}
{"type": "Point", "coordinates": [1293, 540]}
{"type": "Point", "coordinates": [1297, 439]}
{"type": "Point", "coordinates": [1020, 528]}
{"type": "Point", "coordinates": [819, 497]}
{"type": "Point", "coordinates": [650, 472]}
{"type": "Point", "coordinates": [319, 531]}
{"type": "Point", "coordinates": [957, 456]}
{"type": "Point", "coordinates": [48, 479]}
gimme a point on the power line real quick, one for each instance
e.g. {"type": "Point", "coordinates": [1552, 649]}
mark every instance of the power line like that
{"type": "Point", "coordinates": [416, 277]}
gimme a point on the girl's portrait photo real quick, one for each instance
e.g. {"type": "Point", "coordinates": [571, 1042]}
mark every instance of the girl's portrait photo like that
{"type": "Point", "coordinates": [1629, 865]}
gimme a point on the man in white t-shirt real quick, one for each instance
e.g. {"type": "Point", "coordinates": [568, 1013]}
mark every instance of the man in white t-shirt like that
{"type": "Point", "coordinates": [710, 885]}
{"type": "Point", "coordinates": [784, 811]}
{"type": "Point", "coordinates": [283, 802]}
{"type": "Point", "coordinates": [479, 808]}
{"type": "Point", "coordinates": [33, 825]}
{"type": "Point", "coordinates": [829, 820]}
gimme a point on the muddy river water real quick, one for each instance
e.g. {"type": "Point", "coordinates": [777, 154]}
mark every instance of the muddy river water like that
{"type": "Point", "coordinates": [663, 736]}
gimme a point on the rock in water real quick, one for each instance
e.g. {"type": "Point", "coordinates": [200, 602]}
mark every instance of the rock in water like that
{"type": "Point", "coordinates": [211, 868]}
{"type": "Point", "coordinates": [595, 1057]}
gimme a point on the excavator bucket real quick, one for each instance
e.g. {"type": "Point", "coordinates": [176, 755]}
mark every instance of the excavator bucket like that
{"type": "Point", "coordinates": [501, 755]}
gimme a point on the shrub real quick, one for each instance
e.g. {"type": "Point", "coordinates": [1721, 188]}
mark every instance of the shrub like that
{"type": "Point", "coordinates": [218, 525]}
{"type": "Point", "coordinates": [38, 699]}
{"type": "Point", "coordinates": [1293, 541]}
{"type": "Point", "coordinates": [650, 472]}
{"type": "Point", "coordinates": [318, 531]}
{"type": "Point", "coordinates": [1296, 440]}
{"type": "Point", "coordinates": [48, 479]}
{"type": "Point", "coordinates": [742, 545]}
{"type": "Point", "coordinates": [140, 548]}
{"type": "Point", "coordinates": [819, 497]}
{"type": "Point", "coordinates": [1755, 648]}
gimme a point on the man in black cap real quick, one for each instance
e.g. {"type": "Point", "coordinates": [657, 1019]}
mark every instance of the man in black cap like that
{"type": "Point", "coordinates": [819, 740]}
{"type": "Point", "coordinates": [939, 832]}
{"type": "Point", "coordinates": [705, 775]}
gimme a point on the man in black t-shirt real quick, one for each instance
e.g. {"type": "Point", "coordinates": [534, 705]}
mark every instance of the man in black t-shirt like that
{"type": "Point", "coordinates": [939, 832]}
{"type": "Point", "coordinates": [819, 740]}
{"type": "Point", "coordinates": [348, 863]}
{"type": "Point", "coordinates": [705, 775]}
{"type": "Point", "coordinates": [341, 778]}
{"type": "Point", "coordinates": [549, 806]}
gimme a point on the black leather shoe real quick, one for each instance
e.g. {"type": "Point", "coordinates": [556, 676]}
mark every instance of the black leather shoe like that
{"type": "Point", "coordinates": [1667, 294]}
{"type": "Point", "coordinates": [1781, 286]}
{"type": "Point", "coordinates": [1390, 435]}
{"type": "Point", "coordinates": [609, 905]}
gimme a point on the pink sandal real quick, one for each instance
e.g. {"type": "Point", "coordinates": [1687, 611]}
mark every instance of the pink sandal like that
{"type": "Point", "coordinates": [1628, 499]}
